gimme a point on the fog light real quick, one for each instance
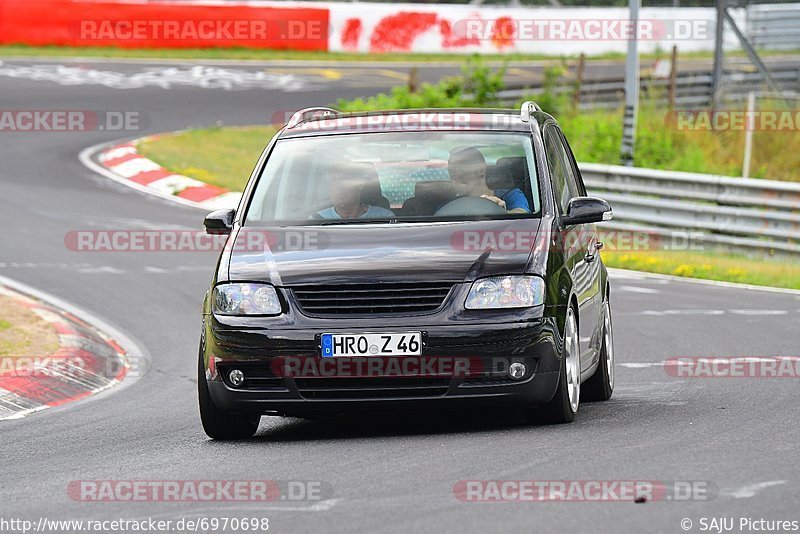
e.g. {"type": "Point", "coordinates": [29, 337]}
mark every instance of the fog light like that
{"type": "Point", "coordinates": [516, 370]}
{"type": "Point", "coordinates": [236, 377]}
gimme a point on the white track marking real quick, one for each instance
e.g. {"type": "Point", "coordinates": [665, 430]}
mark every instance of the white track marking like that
{"type": "Point", "coordinates": [134, 167]}
{"type": "Point", "coordinates": [759, 312]}
{"type": "Point", "coordinates": [174, 184]}
{"type": "Point", "coordinates": [107, 269]}
{"type": "Point", "coordinates": [689, 311]}
{"type": "Point", "coordinates": [227, 200]}
{"type": "Point", "coordinates": [165, 77]}
{"type": "Point", "coordinates": [117, 152]}
{"type": "Point", "coordinates": [636, 289]}
{"type": "Point", "coordinates": [746, 492]}
{"type": "Point", "coordinates": [682, 312]}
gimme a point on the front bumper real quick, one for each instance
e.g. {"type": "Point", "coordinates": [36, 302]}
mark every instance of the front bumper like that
{"type": "Point", "coordinates": [489, 347]}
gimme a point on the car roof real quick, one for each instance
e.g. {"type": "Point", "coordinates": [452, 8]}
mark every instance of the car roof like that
{"type": "Point", "coordinates": [402, 120]}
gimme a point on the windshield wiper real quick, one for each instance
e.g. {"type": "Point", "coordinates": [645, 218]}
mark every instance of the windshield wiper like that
{"type": "Point", "coordinates": [330, 222]}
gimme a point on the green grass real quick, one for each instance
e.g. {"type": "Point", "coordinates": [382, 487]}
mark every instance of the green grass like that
{"type": "Point", "coordinates": [596, 137]}
{"type": "Point", "coordinates": [23, 333]}
{"type": "Point", "coordinates": [247, 53]}
{"type": "Point", "coordinates": [219, 156]}
{"type": "Point", "coordinates": [260, 54]}
{"type": "Point", "coordinates": [710, 265]}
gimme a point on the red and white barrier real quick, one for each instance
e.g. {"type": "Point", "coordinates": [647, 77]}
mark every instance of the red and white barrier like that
{"type": "Point", "coordinates": [85, 362]}
{"type": "Point", "coordinates": [130, 168]}
{"type": "Point", "coordinates": [351, 27]}
{"type": "Point", "coordinates": [376, 28]}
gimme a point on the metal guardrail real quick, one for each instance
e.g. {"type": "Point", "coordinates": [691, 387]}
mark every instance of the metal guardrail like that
{"type": "Point", "coordinates": [774, 26]}
{"type": "Point", "coordinates": [736, 213]}
{"type": "Point", "coordinates": [693, 89]}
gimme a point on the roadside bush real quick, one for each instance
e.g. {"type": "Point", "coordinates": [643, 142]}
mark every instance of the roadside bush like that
{"type": "Point", "coordinates": [477, 86]}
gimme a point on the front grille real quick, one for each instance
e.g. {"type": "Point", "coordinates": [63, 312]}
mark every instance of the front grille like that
{"type": "Point", "coordinates": [371, 387]}
{"type": "Point", "coordinates": [366, 299]}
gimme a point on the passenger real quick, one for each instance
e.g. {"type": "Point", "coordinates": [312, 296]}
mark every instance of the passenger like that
{"type": "Point", "coordinates": [467, 169]}
{"type": "Point", "coordinates": [345, 182]}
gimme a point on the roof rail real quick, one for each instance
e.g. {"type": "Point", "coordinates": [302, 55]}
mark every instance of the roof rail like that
{"type": "Point", "coordinates": [308, 114]}
{"type": "Point", "coordinates": [527, 109]}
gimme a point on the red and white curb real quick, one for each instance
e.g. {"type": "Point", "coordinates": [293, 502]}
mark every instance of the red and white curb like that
{"type": "Point", "coordinates": [123, 164]}
{"type": "Point", "coordinates": [87, 362]}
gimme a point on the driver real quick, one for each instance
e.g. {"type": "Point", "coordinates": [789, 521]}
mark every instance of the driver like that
{"type": "Point", "coordinates": [345, 182]}
{"type": "Point", "coordinates": [467, 170]}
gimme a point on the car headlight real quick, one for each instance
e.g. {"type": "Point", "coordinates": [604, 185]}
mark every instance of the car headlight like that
{"type": "Point", "coordinates": [500, 292]}
{"type": "Point", "coordinates": [246, 299]}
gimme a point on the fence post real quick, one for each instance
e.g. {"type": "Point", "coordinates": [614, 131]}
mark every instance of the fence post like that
{"type": "Point", "coordinates": [631, 88]}
{"type": "Point", "coordinates": [413, 80]}
{"type": "Point", "coordinates": [576, 96]}
{"type": "Point", "coordinates": [749, 124]}
{"type": "Point", "coordinates": [673, 79]}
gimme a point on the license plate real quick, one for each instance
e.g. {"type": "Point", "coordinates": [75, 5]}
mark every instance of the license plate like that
{"type": "Point", "coordinates": [384, 344]}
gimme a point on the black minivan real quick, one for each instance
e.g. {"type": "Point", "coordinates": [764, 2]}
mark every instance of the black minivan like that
{"type": "Point", "coordinates": [401, 259]}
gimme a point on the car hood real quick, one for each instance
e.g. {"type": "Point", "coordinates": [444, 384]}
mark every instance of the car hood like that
{"type": "Point", "coordinates": [371, 253]}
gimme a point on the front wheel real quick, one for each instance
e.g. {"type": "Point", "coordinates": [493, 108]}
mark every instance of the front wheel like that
{"type": "Point", "coordinates": [564, 404]}
{"type": "Point", "coordinates": [601, 385]}
{"type": "Point", "coordinates": [220, 424]}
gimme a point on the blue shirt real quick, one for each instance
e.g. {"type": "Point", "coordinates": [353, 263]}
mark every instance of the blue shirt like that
{"type": "Point", "coordinates": [373, 212]}
{"type": "Point", "coordinates": [514, 198]}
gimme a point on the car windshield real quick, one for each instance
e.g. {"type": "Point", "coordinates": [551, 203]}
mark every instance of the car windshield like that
{"type": "Point", "coordinates": [408, 176]}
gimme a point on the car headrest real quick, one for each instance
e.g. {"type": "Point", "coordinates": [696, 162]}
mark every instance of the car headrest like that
{"type": "Point", "coordinates": [499, 177]}
{"type": "Point", "coordinates": [436, 190]}
{"type": "Point", "coordinates": [518, 167]}
{"type": "Point", "coordinates": [370, 184]}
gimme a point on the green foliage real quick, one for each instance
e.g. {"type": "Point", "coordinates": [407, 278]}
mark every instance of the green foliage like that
{"type": "Point", "coordinates": [553, 99]}
{"type": "Point", "coordinates": [477, 86]}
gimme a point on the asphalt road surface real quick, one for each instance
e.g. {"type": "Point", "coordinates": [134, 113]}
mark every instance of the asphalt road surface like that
{"type": "Point", "coordinates": [387, 473]}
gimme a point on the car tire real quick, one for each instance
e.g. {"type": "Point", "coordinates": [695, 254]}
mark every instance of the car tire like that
{"type": "Point", "coordinates": [220, 424]}
{"type": "Point", "coordinates": [564, 404]}
{"type": "Point", "coordinates": [600, 386]}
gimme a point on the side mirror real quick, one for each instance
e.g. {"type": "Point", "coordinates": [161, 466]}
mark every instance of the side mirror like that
{"type": "Point", "coordinates": [220, 221]}
{"type": "Point", "coordinates": [584, 210]}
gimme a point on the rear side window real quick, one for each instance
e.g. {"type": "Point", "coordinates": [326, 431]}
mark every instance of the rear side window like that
{"type": "Point", "coordinates": [565, 186]}
{"type": "Point", "coordinates": [573, 174]}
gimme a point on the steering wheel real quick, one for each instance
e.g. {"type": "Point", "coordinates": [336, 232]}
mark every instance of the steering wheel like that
{"type": "Point", "coordinates": [470, 206]}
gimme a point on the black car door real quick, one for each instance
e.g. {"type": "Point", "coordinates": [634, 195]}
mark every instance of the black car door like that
{"type": "Point", "coordinates": [580, 252]}
{"type": "Point", "coordinates": [594, 296]}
